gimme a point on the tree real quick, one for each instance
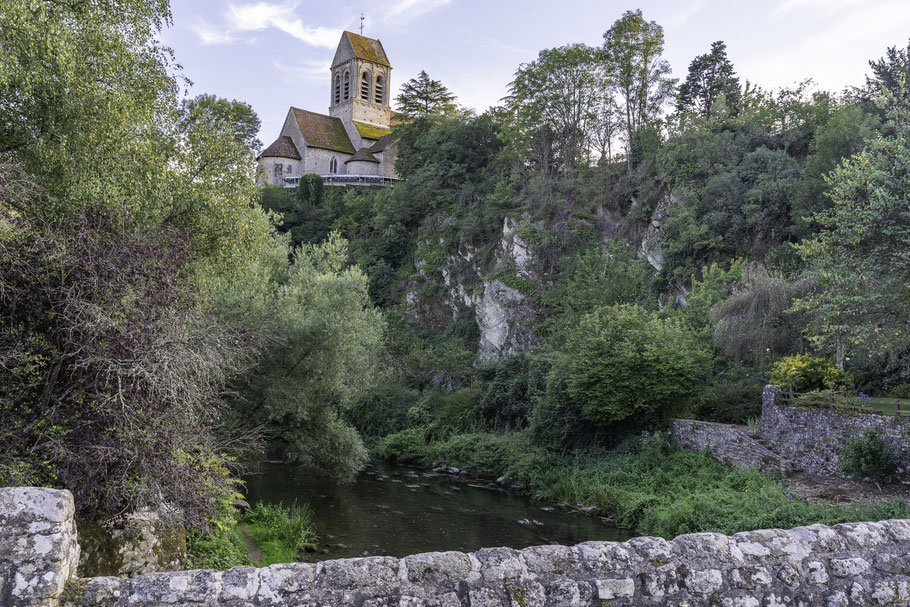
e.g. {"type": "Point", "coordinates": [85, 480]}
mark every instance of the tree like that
{"type": "Point", "coordinates": [556, 96]}
{"type": "Point", "coordinates": [234, 117]}
{"type": "Point", "coordinates": [632, 52]}
{"type": "Point", "coordinates": [423, 96]}
{"type": "Point", "coordinates": [860, 258]}
{"type": "Point", "coordinates": [890, 73]}
{"type": "Point", "coordinates": [111, 371]}
{"type": "Point", "coordinates": [752, 324]}
{"type": "Point", "coordinates": [325, 346]}
{"type": "Point", "coordinates": [84, 90]}
{"type": "Point", "coordinates": [710, 76]}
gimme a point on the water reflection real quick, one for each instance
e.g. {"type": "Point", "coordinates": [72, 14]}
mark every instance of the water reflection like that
{"type": "Point", "coordinates": [395, 510]}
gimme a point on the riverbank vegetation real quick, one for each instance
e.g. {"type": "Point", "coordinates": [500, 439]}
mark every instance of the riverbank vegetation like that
{"type": "Point", "coordinates": [658, 251]}
{"type": "Point", "coordinates": [263, 535]}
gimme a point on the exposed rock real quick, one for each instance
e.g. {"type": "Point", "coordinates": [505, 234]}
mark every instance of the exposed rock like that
{"type": "Point", "coordinates": [505, 322]}
{"type": "Point", "coordinates": [137, 543]}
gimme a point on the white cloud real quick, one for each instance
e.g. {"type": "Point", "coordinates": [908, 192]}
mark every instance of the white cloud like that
{"type": "Point", "coordinates": [314, 71]}
{"type": "Point", "coordinates": [825, 7]}
{"type": "Point", "coordinates": [264, 15]}
{"type": "Point", "coordinates": [834, 55]}
{"type": "Point", "coordinates": [210, 34]}
{"type": "Point", "coordinates": [260, 16]}
{"type": "Point", "coordinates": [402, 11]}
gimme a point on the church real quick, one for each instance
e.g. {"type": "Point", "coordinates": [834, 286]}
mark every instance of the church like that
{"type": "Point", "coordinates": [353, 144]}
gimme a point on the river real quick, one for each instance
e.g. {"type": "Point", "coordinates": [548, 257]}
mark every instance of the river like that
{"type": "Point", "coordinates": [396, 510]}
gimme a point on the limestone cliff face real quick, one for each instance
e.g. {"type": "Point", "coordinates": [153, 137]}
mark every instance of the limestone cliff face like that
{"type": "Point", "coordinates": [482, 287]}
{"type": "Point", "coordinates": [493, 284]}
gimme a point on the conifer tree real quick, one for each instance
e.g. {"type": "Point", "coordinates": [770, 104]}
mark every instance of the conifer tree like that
{"type": "Point", "coordinates": [710, 75]}
{"type": "Point", "coordinates": [423, 96]}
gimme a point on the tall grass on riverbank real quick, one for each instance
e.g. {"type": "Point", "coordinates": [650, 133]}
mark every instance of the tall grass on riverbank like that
{"type": "Point", "coordinates": [264, 535]}
{"type": "Point", "coordinates": [647, 486]}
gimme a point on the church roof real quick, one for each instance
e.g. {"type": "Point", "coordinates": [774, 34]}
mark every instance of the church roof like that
{"type": "Point", "coordinates": [371, 131]}
{"type": "Point", "coordinates": [283, 147]}
{"type": "Point", "coordinates": [367, 49]}
{"type": "Point", "coordinates": [382, 144]}
{"type": "Point", "coordinates": [321, 131]}
{"type": "Point", "coordinates": [363, 154]}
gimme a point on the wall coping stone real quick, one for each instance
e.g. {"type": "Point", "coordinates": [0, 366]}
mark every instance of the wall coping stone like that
{"type": "Point", "coordinates": [849, 564]}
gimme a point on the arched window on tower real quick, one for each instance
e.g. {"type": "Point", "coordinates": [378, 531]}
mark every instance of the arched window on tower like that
{"type": "Point", "coordinates": [333, 165]}
{"type": "Point", "coordinates": [347, 85]}
{"type": "Point", "coordinates": [365, 87]}
{"type": "Point", "coordinates": [379, 89]}
{"type": "Point", "coordinates": [337, 88]}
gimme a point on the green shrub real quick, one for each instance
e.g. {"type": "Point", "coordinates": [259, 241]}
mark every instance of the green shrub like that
{"type": "Point", "coordinates": [804, 373]}
{"type": "Point", "coordinates": [406, 446]}
{"type": "Point", "coordinates": [867, 457]}
{"type": "Point", "coordinates": [217, 550]}
{"type": "Point", "coordinates": [732, 396]}
{"type": "Point", "coordinates": [382, 411]}
{"type": "Point", "coordinates": [624, 364]}
{"type": "Point", "coordinates": [510, 386]}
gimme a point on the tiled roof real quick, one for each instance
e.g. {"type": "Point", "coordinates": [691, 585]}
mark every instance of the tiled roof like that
{"type": "Point", "coordinates": [370, 131]}
{"type": "Point", "coordinates": [283, 147]}
{"type": "Point", "coordinates": [381, 145]}
{"type": "Point", "coordinates": [364, 155]}
{"type": "Point", "coordinates": [321, 131]}
{"type": "Point", "coordinates": [367, 49]}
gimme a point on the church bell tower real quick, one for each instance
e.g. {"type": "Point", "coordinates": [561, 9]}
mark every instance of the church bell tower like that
{"type": "Point", "coordinates": [360, 87]}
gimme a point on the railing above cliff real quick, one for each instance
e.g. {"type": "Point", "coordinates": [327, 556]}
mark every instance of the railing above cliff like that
{"type": "Point", "coordinates": [345, 180]}
{"type": "Point", "coordinates": [860, 403]}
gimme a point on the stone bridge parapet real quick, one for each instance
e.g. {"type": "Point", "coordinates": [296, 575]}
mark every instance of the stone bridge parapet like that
{"type": "Point", "coordinates": [843, 565]}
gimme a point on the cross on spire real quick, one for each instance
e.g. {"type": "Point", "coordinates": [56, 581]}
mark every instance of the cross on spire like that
{"type": "Point", "coordinates": [361, 24]}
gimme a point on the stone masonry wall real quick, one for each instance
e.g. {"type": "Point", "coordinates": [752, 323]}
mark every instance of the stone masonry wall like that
{"type": "Point", "coordinates": [811, 438]}
{"type": "Point", "coordinates": [840, 566]}
{"type": "Point", "coordinates": [38, 549]}
{"type": "Point", "coordinates": [729, 444]}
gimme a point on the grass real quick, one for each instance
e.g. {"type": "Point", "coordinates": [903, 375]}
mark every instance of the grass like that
{"type": "Point", "coordinates": [278, 533]}
{"type": "Point", "coordinates": [650, 488]}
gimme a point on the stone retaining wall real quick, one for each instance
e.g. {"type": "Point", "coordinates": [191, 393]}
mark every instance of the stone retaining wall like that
{"type": "Point", "coordinates": [811, 438]}
{"type": "Point", "coordinates": [732, 445]}
{"type": "Point", "coordinates": [840, 566]}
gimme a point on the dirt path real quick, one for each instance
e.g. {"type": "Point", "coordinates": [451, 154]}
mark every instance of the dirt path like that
{"type": "Point", "coordinates": [251, 547]}
{"type": "Point", "coordinates": [841, 490]}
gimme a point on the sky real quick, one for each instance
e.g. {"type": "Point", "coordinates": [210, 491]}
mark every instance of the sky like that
{"type": "Point", "coordinates": [274, 54]}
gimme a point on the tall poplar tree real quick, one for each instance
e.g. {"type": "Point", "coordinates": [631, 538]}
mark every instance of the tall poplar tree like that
{"type": "Point", "coordinates": [632, 52]}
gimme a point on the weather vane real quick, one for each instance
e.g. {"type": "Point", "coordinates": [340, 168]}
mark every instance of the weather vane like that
{"type": "Point", "coordinates": [361, 24]}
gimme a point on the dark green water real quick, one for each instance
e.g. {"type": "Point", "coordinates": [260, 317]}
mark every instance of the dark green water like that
{"type": "Point", "coordinates": [395, 510]}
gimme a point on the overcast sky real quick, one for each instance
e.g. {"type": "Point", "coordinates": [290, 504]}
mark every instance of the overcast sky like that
{"type": "Point", "coordinates": [276, 53]}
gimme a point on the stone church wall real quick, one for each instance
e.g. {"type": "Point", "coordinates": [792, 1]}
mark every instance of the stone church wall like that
{"type": "Point", "coordinates": [840, 566]}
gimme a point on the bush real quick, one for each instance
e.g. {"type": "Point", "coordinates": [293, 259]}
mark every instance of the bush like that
{"type": "Point", "coordinates": [805, 373]}
{"type": "Point", "coordinates": [624, 364]}
{"type": "Point", "coordinates": [510, 386]}
{"type": "Point", "coordinates": [110, 372]}
{"type": "Point", "coordinates": [732, 396]}
{"type": "Point", "coordinates": [382, 411]}
{"type": "Point", "coordinates": [867, 457]}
